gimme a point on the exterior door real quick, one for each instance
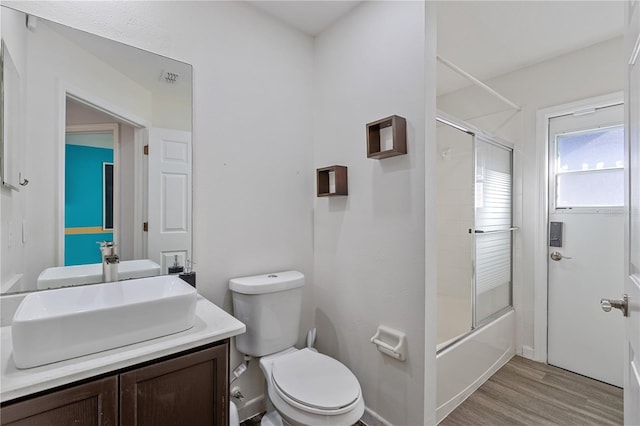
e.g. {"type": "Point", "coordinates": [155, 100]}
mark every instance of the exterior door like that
{"type": "Point", "coordinates": [586, 234]}
{"type": "Point", "coordinates": [632, 245]}
{"type": "Point", "coordinates": [169, 225]}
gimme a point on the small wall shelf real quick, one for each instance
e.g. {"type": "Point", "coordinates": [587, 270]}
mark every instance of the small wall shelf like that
{"type": "Point", "coordinates": [383, 143]}
{"type": "Point", "coordinates": [332, 181]}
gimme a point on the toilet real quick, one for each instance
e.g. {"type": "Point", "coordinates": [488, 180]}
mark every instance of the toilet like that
{"type": "Point", "coordinates": [304, 387]}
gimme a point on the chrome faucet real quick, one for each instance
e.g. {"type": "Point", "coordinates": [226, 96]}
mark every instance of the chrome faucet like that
{"type": "Point", "coordinates": [110, 261]}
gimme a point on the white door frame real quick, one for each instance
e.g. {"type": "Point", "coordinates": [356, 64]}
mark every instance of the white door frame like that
{"type": "Point", "coordinates": [542, 211]}
{"type": "Point", "coordinates": [66, 89]}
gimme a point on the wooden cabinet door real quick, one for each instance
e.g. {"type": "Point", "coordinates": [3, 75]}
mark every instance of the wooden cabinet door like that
{"type": "Point", "coordinates": [189, 390]}
{"type": "Point", "coordinates": [93, 403]}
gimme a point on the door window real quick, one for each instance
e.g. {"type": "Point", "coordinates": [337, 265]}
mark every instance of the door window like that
{"type": "Point", "coordinates": [587, 167]}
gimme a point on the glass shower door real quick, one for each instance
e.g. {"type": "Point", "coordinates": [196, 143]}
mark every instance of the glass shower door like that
{"type": "Point", "coordinates": [455, 243]}
{"type": "Point", "coordinates": [493, 229]}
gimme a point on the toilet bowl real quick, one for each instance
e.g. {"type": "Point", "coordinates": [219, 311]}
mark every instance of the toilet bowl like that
{"type": "Point", "coordinates": [309, 388]}
{"type": "Point", "coordinates": [304, 386]}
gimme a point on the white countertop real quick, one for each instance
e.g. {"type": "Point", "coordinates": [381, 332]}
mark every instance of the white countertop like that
{"type": "Point", "coordinates": [212, 324]}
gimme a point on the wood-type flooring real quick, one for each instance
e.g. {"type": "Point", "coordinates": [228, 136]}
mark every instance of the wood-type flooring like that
{"type": "Point", "coordinates": [525, 392]}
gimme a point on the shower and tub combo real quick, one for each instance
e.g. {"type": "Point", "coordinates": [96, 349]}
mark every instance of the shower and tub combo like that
{"type": "Point", "coordinates": [476, 322]}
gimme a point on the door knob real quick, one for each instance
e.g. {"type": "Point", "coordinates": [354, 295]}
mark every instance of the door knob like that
{"type": "Point", "coordinates": [622, 304]}
{"type": "Point", "coordinates": [557, 256]}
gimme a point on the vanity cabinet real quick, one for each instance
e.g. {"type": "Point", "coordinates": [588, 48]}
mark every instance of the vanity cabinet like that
{"type": "Point", "coordinates": [189, 388]}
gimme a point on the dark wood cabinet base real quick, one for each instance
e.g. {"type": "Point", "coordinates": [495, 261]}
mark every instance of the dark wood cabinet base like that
{"type": "Point", "coordinates": [190, 388]}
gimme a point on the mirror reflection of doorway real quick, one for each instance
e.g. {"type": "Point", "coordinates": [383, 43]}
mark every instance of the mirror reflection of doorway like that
{"type": "Point", "coordinates": [90, 191]}
{"type": "Point", "coordinates": [118, 179]}
{"type": "Point", "coordinates": [100, 205]}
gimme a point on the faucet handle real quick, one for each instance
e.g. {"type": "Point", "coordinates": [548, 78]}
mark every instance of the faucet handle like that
{"type": "Point", "coordinates": [107, 248]}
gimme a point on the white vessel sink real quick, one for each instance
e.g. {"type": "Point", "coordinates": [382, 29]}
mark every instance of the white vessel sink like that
{"type": "Point", "coordinates": [64, 276]}
{"type": "Point", "coordinates": [54, 325]}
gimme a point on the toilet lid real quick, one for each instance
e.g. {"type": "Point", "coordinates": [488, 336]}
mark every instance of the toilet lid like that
{"type": "Point", "coordinates": [315, 380]}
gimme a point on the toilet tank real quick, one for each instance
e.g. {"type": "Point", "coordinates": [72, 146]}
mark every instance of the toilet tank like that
{"type": "Point", "coordinates": [269, 305]}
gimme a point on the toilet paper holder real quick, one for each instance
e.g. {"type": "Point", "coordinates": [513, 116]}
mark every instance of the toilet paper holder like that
{"type": "Point", "coordinates": [391, 342]}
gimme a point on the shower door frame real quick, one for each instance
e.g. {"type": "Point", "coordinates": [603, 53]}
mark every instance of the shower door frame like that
{"type": "Point", "coordinates": [477, 133]}
{"type": "Point", "coordinates": [508, 147]}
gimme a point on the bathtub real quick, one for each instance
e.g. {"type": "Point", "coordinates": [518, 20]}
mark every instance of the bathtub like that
{"type": "Point", "coordinates": [465, 365]}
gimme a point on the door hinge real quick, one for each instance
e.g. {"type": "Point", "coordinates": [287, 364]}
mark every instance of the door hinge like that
{"type": "Point", "coordinates": [146, 150]}
{"type": "Point", "coordinates": [145, 227]}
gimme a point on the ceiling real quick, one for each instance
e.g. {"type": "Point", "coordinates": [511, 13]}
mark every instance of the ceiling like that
{"type": "Point", "coordinates": [491, 38]}
{"type": "Point", "coordinates": [145, 68]}
{"type": "Point", "coordinates": [485, 38]}
{"type": "Point", "coordinates": [311, 17]}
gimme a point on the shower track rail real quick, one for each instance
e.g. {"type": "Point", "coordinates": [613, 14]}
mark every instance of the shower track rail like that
{"type": "Point", "coordinates": [478, 83]}
{"type": "Point", "coordinates": [497, 231]}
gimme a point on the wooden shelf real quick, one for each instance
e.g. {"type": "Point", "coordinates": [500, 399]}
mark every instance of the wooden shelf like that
{"type": "Point", "coordinates": [380, 148]}
{"type": "Point", "coordinates": [332, 181]}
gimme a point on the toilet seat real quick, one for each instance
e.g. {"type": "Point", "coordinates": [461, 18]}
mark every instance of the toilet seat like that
{"type": "Point", "coordinates": [315, 383]}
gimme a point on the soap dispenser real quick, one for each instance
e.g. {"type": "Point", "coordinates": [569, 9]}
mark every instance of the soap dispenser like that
{"type": "Point", "coordinates": [175, 269]}
{"type": "Point", "coordinates": [188, 275]}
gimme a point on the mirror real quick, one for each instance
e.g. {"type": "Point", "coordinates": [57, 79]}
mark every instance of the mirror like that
{"type": "Point", "coordinates": [100, 142]}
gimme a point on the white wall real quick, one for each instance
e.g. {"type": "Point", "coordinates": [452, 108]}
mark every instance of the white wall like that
{"type": "Point", "coordinates": [589, 72]}
{"type": "Point", "coordinates": [370, 245]}
{"type": "Point", "coordinates": [430, 215]}
{"type": "Point", "coordinates": [127, 197]}
{"type": "Point", "coordinates": [12, 202]}
{"type": "Point", "coordinates": [253, 156]}
{"type": "Point", "coordinates": [254, 169]}
{"type": "Point", "coordinates": [171, 112]}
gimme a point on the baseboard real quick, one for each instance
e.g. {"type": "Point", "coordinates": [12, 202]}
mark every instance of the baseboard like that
{"type": "Point", "coordinates": [371, 418]}
{"type": "Point", "coordinates": [251, 408]}
{"type": "Point", "coordinates": [528, 352]}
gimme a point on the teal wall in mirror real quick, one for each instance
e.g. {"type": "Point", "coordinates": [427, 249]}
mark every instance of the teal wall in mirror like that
{"type": "Point", "coordinates": [88, 160]}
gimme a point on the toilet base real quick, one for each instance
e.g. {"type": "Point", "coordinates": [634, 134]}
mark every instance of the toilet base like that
{"type": "Point", "coordinates": [272, 418]}
{"type": "Point", "coordinates": [234, 419]}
